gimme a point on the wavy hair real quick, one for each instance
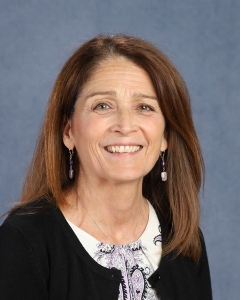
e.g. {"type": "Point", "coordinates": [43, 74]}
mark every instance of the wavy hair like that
{"type": "Point", "coordinates": [175, 200]}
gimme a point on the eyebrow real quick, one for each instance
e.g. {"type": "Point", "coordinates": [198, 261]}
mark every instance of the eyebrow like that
{"type": "Point", "coordinates": [140, 95]}
{"type": "Point", "coordinates": [110, 93]}
{"type": "Point", "coordinates": [113, 93]}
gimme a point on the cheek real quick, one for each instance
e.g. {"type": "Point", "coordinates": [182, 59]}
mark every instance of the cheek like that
{"type": "Point", "coordinates": [156, 135]}
{"type": "Point", "coordinates": [156, 128]}
{"type": "Point", "coordinates": [88, 132]}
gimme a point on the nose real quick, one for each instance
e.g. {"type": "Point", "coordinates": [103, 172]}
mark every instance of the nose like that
{"type": "Point", "coordinates": [125, 122]}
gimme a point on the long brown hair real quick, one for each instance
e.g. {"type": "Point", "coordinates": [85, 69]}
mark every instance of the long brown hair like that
{"type": "Point", "coordinates": [176, 200]}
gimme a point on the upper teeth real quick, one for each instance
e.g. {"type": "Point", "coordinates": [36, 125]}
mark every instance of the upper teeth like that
{"type": "Point", "coordinates": [123, 149]}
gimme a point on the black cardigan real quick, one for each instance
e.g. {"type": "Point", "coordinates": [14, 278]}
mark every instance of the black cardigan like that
{"type": "Point", "coordinates": [42, 259]}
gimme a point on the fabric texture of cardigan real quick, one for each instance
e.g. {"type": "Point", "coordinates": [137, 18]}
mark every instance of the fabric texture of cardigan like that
{"type": "Point", "coordinates": [42, 259]}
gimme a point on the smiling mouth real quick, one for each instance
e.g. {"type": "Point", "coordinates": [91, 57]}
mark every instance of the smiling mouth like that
{"type": "Point", "coordinates": [123, 149]}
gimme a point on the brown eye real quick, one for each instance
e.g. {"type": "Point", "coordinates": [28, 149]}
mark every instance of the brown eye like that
{"type": "Point", "coordinates": [102, 106]}
{"type": "Point", "coordinates": [145, 107]}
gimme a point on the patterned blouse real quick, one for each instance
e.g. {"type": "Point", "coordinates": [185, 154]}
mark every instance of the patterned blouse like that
{"type": "Point", "coordinates": [137, 260]}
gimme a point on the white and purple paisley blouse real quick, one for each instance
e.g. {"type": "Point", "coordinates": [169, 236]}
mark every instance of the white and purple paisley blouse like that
{"type": "Point", "coordinates": [137, 260]}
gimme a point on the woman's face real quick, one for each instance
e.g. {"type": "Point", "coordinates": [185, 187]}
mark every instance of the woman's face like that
{"type": "Point", "coordinates": [117, 127]}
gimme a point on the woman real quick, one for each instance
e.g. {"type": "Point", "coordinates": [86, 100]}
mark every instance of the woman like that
{"type": "Point", "coordinates": [110, 208]}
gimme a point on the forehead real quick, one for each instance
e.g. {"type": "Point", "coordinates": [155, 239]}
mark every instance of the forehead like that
{"type": "Point", "coordinates": [116, 72]}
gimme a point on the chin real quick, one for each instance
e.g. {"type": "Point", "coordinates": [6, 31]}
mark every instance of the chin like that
{"type": "Point", "coordinates": [126, 178]}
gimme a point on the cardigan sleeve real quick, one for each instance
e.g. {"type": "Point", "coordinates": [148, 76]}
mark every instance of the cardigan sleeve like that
{"type": "Point", "coordinates": [20, 275]}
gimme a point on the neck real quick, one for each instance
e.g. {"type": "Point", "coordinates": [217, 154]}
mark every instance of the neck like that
{"type": "Point", "coordinates": [118, 211]}
{"type": "Point", "coordinates": [115, 197]}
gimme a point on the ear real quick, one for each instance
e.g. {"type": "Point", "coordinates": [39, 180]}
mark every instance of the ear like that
{"type": "Point", "coordinates": [67, 135]}
{"type": "Point", "coordinates": [164, 144]}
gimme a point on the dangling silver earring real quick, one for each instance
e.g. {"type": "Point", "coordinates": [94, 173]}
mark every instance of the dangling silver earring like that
{"type": "Point", "coordinates": [163, 173]}
{"type": "Point", "coordinates": [71, 171]}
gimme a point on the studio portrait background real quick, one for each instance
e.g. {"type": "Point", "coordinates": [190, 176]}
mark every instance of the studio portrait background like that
{"type": "Point", "coordinates": [203, 40]}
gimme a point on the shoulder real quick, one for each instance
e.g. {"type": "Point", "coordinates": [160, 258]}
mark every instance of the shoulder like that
{"type": "Point", "coordinates": [30, 232]}
{"type": "Point", "coordinates": [24, 244]}
{"type": "Point", "coordinates": [30, 220]}
{"type": "Point", "coordinates": [178, 277]}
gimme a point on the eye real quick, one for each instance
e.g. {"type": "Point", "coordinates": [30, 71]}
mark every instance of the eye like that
{"type": "Point", "coordinates": [101, 106]}
{"type": "Point", "coordinates": [146, 107]}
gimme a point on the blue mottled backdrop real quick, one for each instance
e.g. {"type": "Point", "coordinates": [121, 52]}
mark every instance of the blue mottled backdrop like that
{"type": "Point", "coordinates": [203, 40]}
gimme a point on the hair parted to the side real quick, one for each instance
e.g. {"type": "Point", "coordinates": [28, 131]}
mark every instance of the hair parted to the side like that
{"type": "Point", "coordinates": [176, 200]}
